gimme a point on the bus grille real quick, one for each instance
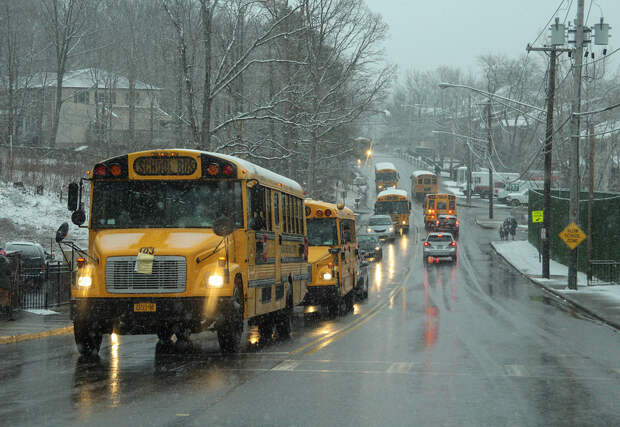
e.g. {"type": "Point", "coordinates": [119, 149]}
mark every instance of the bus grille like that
{"type": "Point", "coordinates": [169, 275]}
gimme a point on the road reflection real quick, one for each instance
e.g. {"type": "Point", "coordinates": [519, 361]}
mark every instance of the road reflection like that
{"type": "Point", "coordinates": [431, 316]}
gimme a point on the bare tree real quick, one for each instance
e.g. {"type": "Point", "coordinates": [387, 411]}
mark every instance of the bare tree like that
{"type": "Point", "coordinates": [65, 22]}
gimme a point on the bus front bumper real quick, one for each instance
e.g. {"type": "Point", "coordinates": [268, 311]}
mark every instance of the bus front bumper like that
{"type": "Point", "coordinates": [147, 315]}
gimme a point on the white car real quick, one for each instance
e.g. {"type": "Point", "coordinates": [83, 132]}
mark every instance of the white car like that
{"type": "Point", "coordinates": [381, 226]}
{"type": "Point", "coordinates": [516, 199]}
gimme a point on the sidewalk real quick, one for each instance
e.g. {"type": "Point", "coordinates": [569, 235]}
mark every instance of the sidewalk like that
{"type": "Point", "coordinates": [601, 302]}
{"type": "Point", "coordinates": [34, 324]}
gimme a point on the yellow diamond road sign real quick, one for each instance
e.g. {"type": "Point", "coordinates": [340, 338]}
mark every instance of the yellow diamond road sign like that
{"type": "Point", "coordinates": [572, 235]}
{"type": "Point", "coordinates": [537, 216]}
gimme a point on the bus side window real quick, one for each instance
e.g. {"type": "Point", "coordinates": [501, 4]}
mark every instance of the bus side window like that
{"type": "Point", "coordinates": [285, 213]}
{"type": "Point", "coordinates": [348, 231]}
{"type": "Point", "coordinates": [300, 217]}
{"type": "Point", "coordinates": [268, 209]}
{"type": "Point", "coordinates": [276, 208]}
{"type": "Point", "coordinates": [256, 208]}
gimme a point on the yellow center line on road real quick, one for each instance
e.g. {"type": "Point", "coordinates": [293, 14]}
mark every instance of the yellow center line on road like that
{"type": "Point", "coordinates": [321, 342]}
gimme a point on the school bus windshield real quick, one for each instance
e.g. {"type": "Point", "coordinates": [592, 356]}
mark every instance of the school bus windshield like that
{"type": "Point", "coordinates": [165, 204]}
{"type": "Point", "coordinates": [386, 176]}
{"type": "Point", "coordinates": [322, 232]}
{"type": "Point", "coordinates": [392, 207]}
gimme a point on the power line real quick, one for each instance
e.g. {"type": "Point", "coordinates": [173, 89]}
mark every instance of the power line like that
{"type": "Point", "coordinates": [548, 22]}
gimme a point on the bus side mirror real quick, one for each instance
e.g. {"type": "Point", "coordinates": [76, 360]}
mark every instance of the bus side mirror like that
{"type": "Point", "coordinates": [73, 196]}
{"type": "Point", "coordinates": [223, 226]}
{"type": "Point", "coordinates": [62, 232]}
{"type": "Point", "coordinates": [78, 217]}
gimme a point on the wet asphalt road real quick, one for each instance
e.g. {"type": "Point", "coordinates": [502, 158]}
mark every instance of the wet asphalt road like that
{"type": "Point", "coordinates": [467, 344]}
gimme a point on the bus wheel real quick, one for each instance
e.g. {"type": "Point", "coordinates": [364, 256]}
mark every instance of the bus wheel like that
{"type": "Point", "coordinates": [284, 318]}
{"type": "Point", "coordinates": [333, 307]}
{"type": "Point", "coordinates": [348, 301]}
{"type": "Point", "coordinates": [229, 333]}
{"type": "Point", "coordinates": [265, 328]}
{"type": "Point", "coordinates": [87, 338]}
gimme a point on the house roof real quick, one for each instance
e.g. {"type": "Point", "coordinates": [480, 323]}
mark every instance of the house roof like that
{"type": "Point", "coordinates": [84, 78]}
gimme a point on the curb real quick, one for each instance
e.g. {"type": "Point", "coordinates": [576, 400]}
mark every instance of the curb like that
{"type": "Point", "coordinates": [560, 295]}
{"type": "Point", "coordinates": [488, 227]}
{"type": "Point", "coordinates": [13, 339]}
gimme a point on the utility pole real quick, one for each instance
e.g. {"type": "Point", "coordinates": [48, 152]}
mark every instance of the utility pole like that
{"type": "Point", "coordinates": [490, 150]}
{"type": "Point", "coordinates": [573, 209]}
{"type": "Point", "coordinates": [590, 199]}
{"type": "Point", "coordinates": [469, 162]}
{"type": "Point", "coordinates": [557, 38]}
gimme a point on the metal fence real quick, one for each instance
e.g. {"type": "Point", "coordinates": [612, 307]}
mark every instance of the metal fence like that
{"type": "Point", "coordinates": [604, 272]}
{"type": "Point", "coordinates": [39, 288]}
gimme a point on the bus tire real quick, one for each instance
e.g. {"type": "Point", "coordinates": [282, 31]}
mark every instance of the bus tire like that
{"type": "Point", "coordinates": [265, 328]}
{"type": "Point", "coordinates": [87, 338]}
{"type": "Point", "coordinates": [229, 333]}
{"type": "Point", "coordinates": [284, 318]}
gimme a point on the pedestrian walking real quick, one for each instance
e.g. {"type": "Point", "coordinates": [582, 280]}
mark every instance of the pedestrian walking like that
{"type": "Point", "coordinates": [502, 232]}
{"type": "Point", "coordinates": [513, 227]}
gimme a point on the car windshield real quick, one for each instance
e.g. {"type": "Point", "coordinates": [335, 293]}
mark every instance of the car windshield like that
{"type": "Point", "coordinates": [322, 232]}
{"type": "Point", "coordinates": [379, 221]}
{"type": "Point", "coordinates": [389, 207]}
{"type": "Point", "coordinates": [24, 249]}
{"type": "Point", "coordinates": [439, 238]}
{"type": "Point", "coordinates": [165, 204]}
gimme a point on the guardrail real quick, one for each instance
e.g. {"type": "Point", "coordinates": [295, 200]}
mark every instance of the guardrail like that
{"type": "Point", "coordinates": [604, 272]}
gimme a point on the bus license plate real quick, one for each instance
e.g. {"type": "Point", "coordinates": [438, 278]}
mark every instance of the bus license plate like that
{"type": "Point", "coordinates": [145, 307]}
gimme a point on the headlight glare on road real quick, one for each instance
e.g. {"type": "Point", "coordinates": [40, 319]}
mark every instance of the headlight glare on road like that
{"type": "Point", "coordinates": [215, 281]}
{"type": "Point", "coordinates": [327, 276]}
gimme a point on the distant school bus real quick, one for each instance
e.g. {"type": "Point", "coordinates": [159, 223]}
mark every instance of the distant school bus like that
{"type": "Point", "coordinates": [438, 204]}
{"type": "Point", "coordinates": [182, 241]}
{"type": "Point", "coordinates": [395, 203]}
{"type": "Point", "coordinates": [333, 255]}
{"type": "Point", "coordinates": [386, 176]}
{"type": "Point", "coordinates": [423, 183]}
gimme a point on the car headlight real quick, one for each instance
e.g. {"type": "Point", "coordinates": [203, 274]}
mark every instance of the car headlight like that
{"type": "Point", "coordinates": [84, 281]}
{"type": "Point", "coordinates": [368, 230]}
{"type": "Point", "coordinates": [377, 248]}
{"type": "Point", "coordinates": [327, 276]}
{"type": "Point", "coordinates": [391, 229]}
{"type": "Point", "coordinates": [215, 281]}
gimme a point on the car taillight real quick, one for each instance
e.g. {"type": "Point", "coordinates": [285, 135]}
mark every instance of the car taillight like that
{"type": "Point", "coordinates": [426, 244]}
{"type": "Point", "coordinates": [437, 222]}
{"type": "Point", "coordinates": [453, 243]}
{"type": "Point", "coordinates": [457, 223]}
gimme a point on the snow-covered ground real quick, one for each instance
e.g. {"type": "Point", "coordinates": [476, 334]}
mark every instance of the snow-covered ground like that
{"type": "Point", "coordinates": [524, 257]}
{"type": "Point", "coordinates": [27, 216]}
{"type": "Point", "coordinates": [453, 188]}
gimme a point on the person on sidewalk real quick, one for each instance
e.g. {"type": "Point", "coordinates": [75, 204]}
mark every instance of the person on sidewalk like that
{"type": "Point", "coordinates": [502, 232]}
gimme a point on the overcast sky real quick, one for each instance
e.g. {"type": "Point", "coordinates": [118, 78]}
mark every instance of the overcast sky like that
{"type": "Point", "coordinates": [425, 34]}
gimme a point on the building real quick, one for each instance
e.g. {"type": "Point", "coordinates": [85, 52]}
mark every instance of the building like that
{"type": "Point", "coordinates": [95, 110]}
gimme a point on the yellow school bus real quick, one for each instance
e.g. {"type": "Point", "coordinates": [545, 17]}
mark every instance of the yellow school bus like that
{"type": "Point", "coordinates": [395, 203]}
{"type": "Point", "coordinates": [182, 241]}
{"type": "Point", "coordinates": [438, 204]}
{"type": "Point", "coordinates": [333, 255]}
{"type": "Point", "coordinates": [386, 176]}
{"type": "Point", "coordinates": [423, 183]}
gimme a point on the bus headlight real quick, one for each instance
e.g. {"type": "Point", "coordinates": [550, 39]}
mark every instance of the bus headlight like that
{"type": "Point", "coordinates": [85, 281]}
{"type": "Point", "coordinates": [215, 281]}
{"type": "Point", "coordinates": [327, 276]}
{"type": "Point", "coordinates": [404, 222]}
